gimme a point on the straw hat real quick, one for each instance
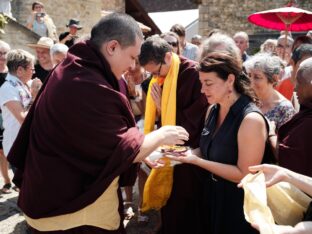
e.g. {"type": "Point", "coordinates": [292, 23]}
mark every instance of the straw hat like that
{"type": "Point", "coordinates": [44, 42]}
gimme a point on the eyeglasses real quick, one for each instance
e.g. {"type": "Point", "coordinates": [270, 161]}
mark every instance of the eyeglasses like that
{"type": "Point", "coordinates": [173, 44]}
{"type": "Point", "coordinates": [28, 68]}
{"type": "Point", "coordinates": [159, 70]}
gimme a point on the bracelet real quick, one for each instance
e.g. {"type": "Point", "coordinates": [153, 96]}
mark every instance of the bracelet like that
{"type": "Point", "coordinates": [272, 135]}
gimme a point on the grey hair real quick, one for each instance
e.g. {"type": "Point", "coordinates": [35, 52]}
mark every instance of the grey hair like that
{"type": "Point", "coordinates": [19, 58]}
{"type": "Point", "coordinates": [4, 45]}
{"type": "Point", "coordinates": [220, 42]}
{"type": "Point", "coordinates": [241, 34]}
{"type": "Point", "coordinates": [58, 48]}
{"type": "Point", "coordinates": [305, 70]}
{"type": "Point", "coordinates": [116, 26]}
{"type": "Point", "coordinates": [270, 65]}
{"type": "Point", "coordinates": [290, 40]}
{"type": "Point", "coordinates": [266, 43]}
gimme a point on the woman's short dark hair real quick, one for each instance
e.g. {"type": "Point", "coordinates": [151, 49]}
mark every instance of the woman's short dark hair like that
{"type": "Point", "coordinates": [35, 4]}
{"type": "Point", "coordinates": [154, 50]}
{"type": "Point", "coordinates": [224, 64]}
{"type": "Point", "coordinates": [116, 26]}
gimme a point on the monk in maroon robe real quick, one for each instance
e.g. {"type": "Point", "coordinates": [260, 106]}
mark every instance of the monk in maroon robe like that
{"type": "Point", "coordinates": [80, 134]}
{"type": "Point", "coordinates": [295, 144]}
{"type": "Point", "coordinates": [182, 212]}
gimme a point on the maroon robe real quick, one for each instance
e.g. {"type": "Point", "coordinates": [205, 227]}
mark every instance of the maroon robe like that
{"type": "Point", "coordinates": [183, 209]}
{"type": "Point", "coordinates": [295, 142]}
{"type": "Point", "coordinates": [79, 135]}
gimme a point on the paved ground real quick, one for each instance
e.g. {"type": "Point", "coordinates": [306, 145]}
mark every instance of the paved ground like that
{"type": "Point", "coordinates": [13, 222]}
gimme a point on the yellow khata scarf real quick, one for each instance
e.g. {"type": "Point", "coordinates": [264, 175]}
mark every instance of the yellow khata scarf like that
{"type": "Point", "coordinates": [168, 98]}
{"type": "Point", "coordinates": [158, 186]}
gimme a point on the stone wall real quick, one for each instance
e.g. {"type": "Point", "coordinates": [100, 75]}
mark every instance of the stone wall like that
{"type": "Point", "coordinates": [231, 15]}
{"type": "Point", "coordinates": [165, 5]}
{"type": "Point", "coordinates": [114, 5]}
{"type": "Point", "coordinates": [18, 36]}
{"type": "Point", "coordinates": [87, 11]}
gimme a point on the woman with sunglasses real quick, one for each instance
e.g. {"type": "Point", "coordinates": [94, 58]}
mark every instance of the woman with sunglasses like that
{"type": "Point", "coordinates": [172, 39]}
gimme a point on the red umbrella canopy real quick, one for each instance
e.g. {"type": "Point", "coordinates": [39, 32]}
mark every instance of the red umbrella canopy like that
{"type": "Point", "coordinates": [286, 18]}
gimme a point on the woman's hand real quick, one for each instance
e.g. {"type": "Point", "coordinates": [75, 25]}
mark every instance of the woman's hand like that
{"type": "Point", "coordinates": [35, 87]}
{"type": "Point", "coordinates": [188, 157]}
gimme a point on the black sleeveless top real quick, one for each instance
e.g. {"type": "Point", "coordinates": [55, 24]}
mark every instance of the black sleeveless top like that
{"type": "Point", "coordinates": [222, 199]}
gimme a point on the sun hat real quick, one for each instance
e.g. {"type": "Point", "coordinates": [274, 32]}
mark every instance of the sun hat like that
{"type": "Point", "coordinates": [44, 42]}
{"type": "Point", "coordinates": [74, 23]}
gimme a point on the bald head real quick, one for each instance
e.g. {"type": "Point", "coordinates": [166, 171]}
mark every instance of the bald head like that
{"type": "Point", "coordinates": [304, 73]}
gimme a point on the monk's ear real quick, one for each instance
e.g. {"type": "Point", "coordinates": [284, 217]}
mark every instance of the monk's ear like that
{"type": "Point", "coordinates": [111, 46]}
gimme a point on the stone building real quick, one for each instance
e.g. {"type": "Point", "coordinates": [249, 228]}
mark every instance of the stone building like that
{"type": "Point", "coordinates": [87, 11]}
{"type": "Point", "coordinates": [231, 15]}
{"type": "Point", "coordinates": [228, 15]}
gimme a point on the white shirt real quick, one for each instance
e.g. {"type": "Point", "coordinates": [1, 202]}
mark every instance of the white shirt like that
{"type": "Point", "coordinates": [12, 90]}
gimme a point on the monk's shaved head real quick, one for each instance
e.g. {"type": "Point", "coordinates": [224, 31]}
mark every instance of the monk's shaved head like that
{"type": "Point", "coordinates": [304, 74]}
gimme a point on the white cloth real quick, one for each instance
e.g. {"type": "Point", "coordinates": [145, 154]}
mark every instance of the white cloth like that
{"type": "Point", "coordinates": [5, 7]}
{"type": "Point", "coordinates": [12, 90]}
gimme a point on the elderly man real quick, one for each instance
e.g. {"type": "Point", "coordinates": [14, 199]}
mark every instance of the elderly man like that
{"type": "Point", "coordinates": [242, 41]}
{"type": "Point", "coordinates": [58, 53]}
{"type": "Point", "coordinates": [79, 142]}
{"type": "Point", "coordinates": [174, 96]}
{"type": "Point", "coordinates": [44, 63]}
{"type": "Point", "coordinates": [283, 48]}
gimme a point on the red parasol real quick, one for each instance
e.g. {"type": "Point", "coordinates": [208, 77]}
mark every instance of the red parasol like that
{"type": "Point", "coordinates": [287, 18]}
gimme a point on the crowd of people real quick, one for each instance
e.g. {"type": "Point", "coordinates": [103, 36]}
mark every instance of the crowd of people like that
{"type": "Point", "coordinates": [83, 117]}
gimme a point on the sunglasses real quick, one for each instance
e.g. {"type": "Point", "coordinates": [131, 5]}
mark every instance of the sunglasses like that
{"type": "Point", "coordinates": [173, 44]}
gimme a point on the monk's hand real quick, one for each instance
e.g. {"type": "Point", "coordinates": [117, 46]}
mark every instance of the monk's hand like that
{"type": "Point", "coordinates": [156, 95]}
{"type": "Point", "coordinates": [154, 164]}
{"type": "Point", "coordinates": [173, 135]}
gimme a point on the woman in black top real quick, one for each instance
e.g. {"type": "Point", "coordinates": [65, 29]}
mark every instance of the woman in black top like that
{"type": "Point", "coordinates": [233, 139]}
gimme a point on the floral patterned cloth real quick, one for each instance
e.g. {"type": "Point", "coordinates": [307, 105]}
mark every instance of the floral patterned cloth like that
{"type": "Point", "coordinates": [281, 113]}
